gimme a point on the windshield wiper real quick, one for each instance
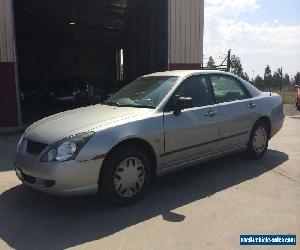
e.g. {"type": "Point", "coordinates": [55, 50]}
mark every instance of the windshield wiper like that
{"type": "Point", "coordinates": [129, 105]}
{"type": "Point", "coordinates": [112, 104]}
{"type": "Point", "coordinates": [137, 106]}
{"type": "Point", "coordinates": [146, 106]}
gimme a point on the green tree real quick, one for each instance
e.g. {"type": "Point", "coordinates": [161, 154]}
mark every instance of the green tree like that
{"type": "Point", "coordinates": [236, 66]}
{"type": "Point", "coordinates": [245, 76]}
{"type": "Point", "coordinates": [211, 62]}
{"type": "Point", "coordinates": [286, 79]}
{"type": "Point", "coordinates": [277, 77]}
{"type": "Point", "coordinates": [258, 81]}
{"type": "Point", "coordinates": [297, 78]}
{"type": "Point", "coordinates": [268, 76]}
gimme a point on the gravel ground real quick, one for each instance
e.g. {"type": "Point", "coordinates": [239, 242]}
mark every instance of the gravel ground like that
{"type": "Point", "coordinates": [290, 110]}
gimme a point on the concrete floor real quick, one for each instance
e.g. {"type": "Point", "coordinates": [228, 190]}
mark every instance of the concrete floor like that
{"type": "Point", "coordinates": [204, 207]}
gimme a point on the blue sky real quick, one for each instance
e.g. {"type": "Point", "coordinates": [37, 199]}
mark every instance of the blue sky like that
{"type": "Point", "coordinates": [260, 32]}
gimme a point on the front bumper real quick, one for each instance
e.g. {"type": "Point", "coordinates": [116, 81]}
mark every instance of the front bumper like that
{"type": "Point", "coordinates": [59, 178]}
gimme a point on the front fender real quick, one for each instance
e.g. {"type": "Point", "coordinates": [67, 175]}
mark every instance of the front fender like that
{"type": "Point", "coordinates": [148, 129]}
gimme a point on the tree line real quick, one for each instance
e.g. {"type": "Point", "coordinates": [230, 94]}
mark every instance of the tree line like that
{"type": "Point", "coordinates": [268, 79]}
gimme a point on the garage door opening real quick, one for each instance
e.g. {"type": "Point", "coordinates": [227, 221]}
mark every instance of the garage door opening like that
{"type": "Point", "coordinates": [78, 52]}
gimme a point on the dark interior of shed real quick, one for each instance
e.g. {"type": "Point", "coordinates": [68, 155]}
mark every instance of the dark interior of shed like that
{"type": "Point", "coordinates": [85, 48]}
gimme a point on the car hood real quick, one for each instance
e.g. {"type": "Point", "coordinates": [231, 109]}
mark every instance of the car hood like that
{"type": "Point", "coordinates": [56, 127]}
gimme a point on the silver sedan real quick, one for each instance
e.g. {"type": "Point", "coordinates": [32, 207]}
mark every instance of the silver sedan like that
{"type": "Point", "coordinates": [157, 124]}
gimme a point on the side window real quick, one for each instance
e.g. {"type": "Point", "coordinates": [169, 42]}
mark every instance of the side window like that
{"type": "Point", "coordinates": [227, 89]}
{"type": "Point", "coordinates": [196, 87]}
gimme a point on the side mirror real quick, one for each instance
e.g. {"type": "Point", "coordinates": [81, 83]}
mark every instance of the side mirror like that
{"type": "Point", "coordinates": [183, 103]}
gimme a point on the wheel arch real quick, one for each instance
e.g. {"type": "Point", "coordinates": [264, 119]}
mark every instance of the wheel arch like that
{"type": "Point", "coordinates": [140, 144]}
{"type": "Point", "coordinates": [267, 121]}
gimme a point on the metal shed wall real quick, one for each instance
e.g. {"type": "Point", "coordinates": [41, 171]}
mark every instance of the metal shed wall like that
{"type": "Point", "coordinates": [7, 52]}
{"type": "Point", "coordinates": [186, 20]}
{"type": "Point", "coordinates": [9, 99]}
{"type": "Point", "coordinates": [158, 35]}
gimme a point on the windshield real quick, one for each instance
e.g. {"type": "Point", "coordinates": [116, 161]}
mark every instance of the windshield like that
{"type": "Point", "coordinates": [145, 92]}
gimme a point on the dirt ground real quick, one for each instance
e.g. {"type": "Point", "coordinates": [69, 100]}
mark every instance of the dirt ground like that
{"type": "Point", "coordinates": [290, 110]}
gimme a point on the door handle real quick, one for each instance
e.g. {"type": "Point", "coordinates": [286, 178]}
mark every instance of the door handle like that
{"type": "Point", "coordinates": [251, 105]}
{"type": "Point", "coordinates": [211, 113]}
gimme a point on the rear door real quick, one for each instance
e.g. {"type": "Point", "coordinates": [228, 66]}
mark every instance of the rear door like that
{"type": "Point", "coordinates": [236, 108]}
{"type": "Point", "coordinates": [196, 130]}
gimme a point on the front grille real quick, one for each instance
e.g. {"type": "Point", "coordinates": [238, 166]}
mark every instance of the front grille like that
{"type": "Point", "coordinates": [35, 148]}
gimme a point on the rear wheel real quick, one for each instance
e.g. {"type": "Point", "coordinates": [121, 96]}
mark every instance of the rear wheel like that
{"type": "Point", "coordinates": [258, 140]}
{"type": "Point", "coordinates": [125, 176]}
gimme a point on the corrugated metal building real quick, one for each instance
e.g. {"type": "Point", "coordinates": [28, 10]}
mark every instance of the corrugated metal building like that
{"type": "Point", "coordinates": [9, 100]}
{"type": "Point", "coordinates": [45, 41]}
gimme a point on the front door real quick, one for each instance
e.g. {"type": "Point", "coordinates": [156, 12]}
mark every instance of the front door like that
{"type": "Point", "coordinates": [195, 131]}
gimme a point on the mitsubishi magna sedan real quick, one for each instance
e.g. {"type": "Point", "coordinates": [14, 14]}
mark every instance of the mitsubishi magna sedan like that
{"type": "Point", "coordinates": [158, 123]}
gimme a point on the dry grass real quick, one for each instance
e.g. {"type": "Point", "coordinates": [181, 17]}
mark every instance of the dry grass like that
{"type": "Point", "coordinates": [288, 93]}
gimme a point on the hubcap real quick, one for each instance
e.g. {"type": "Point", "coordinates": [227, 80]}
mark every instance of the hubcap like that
{"type": "Point", "coordinates": [129, 177]}
{"type": "Point", "coordinates": [260, 140]}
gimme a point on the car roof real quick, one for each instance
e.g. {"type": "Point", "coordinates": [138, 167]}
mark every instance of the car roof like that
{"type": "Point", "coordinates": [184, 73]}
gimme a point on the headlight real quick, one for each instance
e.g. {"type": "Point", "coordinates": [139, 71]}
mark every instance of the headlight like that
{"type": "Point", "coordinates": [66, 149]}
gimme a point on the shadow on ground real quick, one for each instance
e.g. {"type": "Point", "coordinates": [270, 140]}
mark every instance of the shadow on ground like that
{"type": "Point", "coordinates": [8, 146]}
{"type": "Point", "coordinates": [33, 220]}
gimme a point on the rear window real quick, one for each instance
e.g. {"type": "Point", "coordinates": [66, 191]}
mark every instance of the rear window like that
{"type": "Point", "coordinates": [227, 89]}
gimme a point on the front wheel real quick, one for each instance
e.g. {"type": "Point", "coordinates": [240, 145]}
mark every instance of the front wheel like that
{"type": "Point", "coordinates": [125, 176]}
{"type": "Point", "coordinates": [258, 140]}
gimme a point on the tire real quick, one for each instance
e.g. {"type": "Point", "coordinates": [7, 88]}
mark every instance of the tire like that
{"type": "Point", "coordinates": [258, 140]}
{"type": "Point", "coordinates": [125, 176]}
